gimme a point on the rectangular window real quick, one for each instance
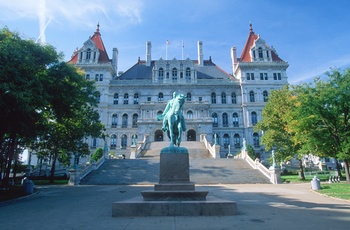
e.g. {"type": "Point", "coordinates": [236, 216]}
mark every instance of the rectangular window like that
{"type": "Point", "coordinates": [87, 77]}
{"type": "Point", "coordinates": [279, 76]}
{"type": "Point", "coordinates": [252, 76]}
{"type": "Point", "coordinates": [275, 76]}
{"type": "Point", "coordinates": [200, 99]}
{"type": "Point", "coordinates": [261, 76]}
{"type": "Point", "coordinates": [248, 76]}
{"type": "Point", "coordinates": [97, 77]}
{"type": "Point", "coordinates": [266, 77]}
{"type": "Point", "coordinates": [149, 98]}
{"type": "Point", "coordinates": [101, 77]}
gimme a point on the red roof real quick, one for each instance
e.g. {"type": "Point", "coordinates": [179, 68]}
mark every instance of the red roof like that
{"type": "Point", "coordinates": [252, 37]}
{"type": "Point", "coordinates": [96, 38]}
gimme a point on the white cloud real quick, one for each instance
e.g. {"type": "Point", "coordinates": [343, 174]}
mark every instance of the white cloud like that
{"type": "Point", "coordinates": [75, 12]}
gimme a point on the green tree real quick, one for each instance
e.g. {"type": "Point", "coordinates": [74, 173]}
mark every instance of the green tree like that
{"type": "Point", "coordinates": [325, 109]}
{"type": "Point", "coordinates": [22, 94]}
{"type": "Point", "coordinates": [278, 119]}
{"type": "Point", "coordinates": [71, 115]}
{"type": "Point", "coordinates": [97, 155]}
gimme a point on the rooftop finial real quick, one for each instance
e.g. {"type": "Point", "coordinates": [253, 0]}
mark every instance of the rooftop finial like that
{"type": "Point", "coordinates": [251, 27]}
{"type": "Point", "coordinates": [98, 27]}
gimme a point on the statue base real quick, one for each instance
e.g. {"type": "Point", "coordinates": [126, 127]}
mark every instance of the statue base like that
{"type": "Point", "coordinates": [175, 195]}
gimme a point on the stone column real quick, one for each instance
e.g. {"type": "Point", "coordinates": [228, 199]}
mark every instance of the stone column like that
{"type": "Point", "coordinates": [73, 177]}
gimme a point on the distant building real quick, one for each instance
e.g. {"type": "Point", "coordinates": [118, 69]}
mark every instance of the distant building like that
{"type": "Point", "coordinates": [228, 105]}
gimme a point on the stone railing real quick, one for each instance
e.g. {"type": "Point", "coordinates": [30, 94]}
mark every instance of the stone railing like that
{"type": "Point", "coordinates": [273, 173]}
{"type": "Point", "coordinates": [214, 150]}
{"type": "Point", "coordinates": [76, 176]}
{"type": "Point", "coordinates": [142, 147]}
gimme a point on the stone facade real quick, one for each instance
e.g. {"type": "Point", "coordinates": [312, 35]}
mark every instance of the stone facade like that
{"type": "Point", "coordinates": [228, 105]}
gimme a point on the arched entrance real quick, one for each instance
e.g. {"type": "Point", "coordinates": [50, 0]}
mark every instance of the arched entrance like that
{"type": "Point", "coordinates": [158, 135]}
{"type": "Point", "coordinates": [191, 135]}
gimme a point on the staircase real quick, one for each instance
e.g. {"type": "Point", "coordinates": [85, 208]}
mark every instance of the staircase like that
{"type": "Point", "coordinates": [196, 149]}
{"type": "Point", "coordinates": [203, 169]}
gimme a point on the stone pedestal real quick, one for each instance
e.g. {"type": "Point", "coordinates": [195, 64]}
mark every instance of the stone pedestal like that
{"type": "Point", "coordinates": [175, 195]}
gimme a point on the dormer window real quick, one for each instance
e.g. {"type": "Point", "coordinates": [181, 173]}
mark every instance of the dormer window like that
{"type": "Point", "coordinates": [88, 54]}
{"type": "Point", "coordinates": [260, 52]}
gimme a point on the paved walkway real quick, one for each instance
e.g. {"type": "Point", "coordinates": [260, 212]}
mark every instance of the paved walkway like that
{"type": "Point", "coordinates": [260, 206]}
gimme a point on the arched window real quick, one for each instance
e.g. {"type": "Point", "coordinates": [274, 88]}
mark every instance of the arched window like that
{"type": "Point", "coordinates": [233, 98]}
{"type": "Point", "coordinates": [223, 98]}
{"type": "Point", "coordinates": [237, 140]}
{"type": "Point", "coordinates": [224, 120]}
{"type": "Point", "coordinates": [213, 98]}
{"type": "Point", "coordinates": [136, 98]}
{"type": "Point", "coordinates": [126, 99]}
{"type": "Point", "coordinates": [114, 120]}
{"type": "Point", "coordinates": [113, 141]}
{"type": "Point", "coordinates": [265, 96]}
{"type": "Point", "coordinates": [215, 119]}
{"type": "Point", "coordinates": [159, 113]}
{"type": "Point", "coordinates": [161, 73]}
{"type": "Point", "coordinates": [88, 54]}
{"type": "Point", "coordinates": [116, 99]}
{"type": "Point", "coordinates": [251, 96]}
{"type": "Point", "coordinates": [124, 140]}
{"type": "Point", "coordinates": [226, 140]}
{"type": "Point", "coordinates": [189, 114]}
{"type": "Point", "coordinates": [235, 121]}
{"type": "Point", "coordinates": [188, 73]}
{"type": "Point", "coordinates": [98, 97]}
{"type": "Point", "coordinates": [256, 140]}
{"type": "Point", "coordinates": [189, 97]}
{"type": "Point", "coordinates": [160, 97]}
{"type": "Point", "coordinates": [94, 142]}
{"type": "Point", "coordinates": [125, 120]}
{"type": "Point", "coordinates": [134, 120]}
{"type": "Point", "coordinates": [254, 118]}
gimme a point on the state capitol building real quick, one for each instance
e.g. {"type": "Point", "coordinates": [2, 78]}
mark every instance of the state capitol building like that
{"type": "Point", "coordinates": [221, 107]}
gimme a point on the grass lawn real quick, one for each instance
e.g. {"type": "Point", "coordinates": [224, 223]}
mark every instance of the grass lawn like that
{"type": "Point", "coordinates": [296, 179]}
{"type": "Point", "coordinates": [337, 190]}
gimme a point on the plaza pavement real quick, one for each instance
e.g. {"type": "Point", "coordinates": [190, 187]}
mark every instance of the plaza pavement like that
{"type": "Point", "coordinates": [260, 206]}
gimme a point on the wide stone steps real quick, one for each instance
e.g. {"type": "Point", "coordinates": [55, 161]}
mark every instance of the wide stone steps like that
{"type": "Point", "coordinates": [202, 171]}
{"type": "Point", "coordinates": [195, 149]}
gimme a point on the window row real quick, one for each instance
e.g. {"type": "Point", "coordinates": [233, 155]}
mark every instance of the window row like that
{"type": "Point", "coordinates": [236, 140]}
{"type": "Point", "coordinates": [252, 96]}
{"type": "Point", "coordinates": [263, 76]}
{"type": "Point", "coordinates": [125, 119]}
{"type": "Point", "coordinates": [113, 141]}
{"type": "Point", "coordinates": [235, 120]}
{"type": "Point", "coordinates": [161, 98]}
{"type": "Point", "coordinates": [174, 74]}
{"type": "Point", "coordinates": [98, 77]}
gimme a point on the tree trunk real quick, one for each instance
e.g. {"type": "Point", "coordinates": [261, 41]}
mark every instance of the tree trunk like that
{"type": "Point", "coordinates": [301, 170]}
{"type": "Point", "coordinates": [53, 168]}
{"type": "Point", "coordinates": [11, 152]}
{"type": "Point", "coordinates": [338, 167]}
{"type": "Point", "coordinates": [346, 166]}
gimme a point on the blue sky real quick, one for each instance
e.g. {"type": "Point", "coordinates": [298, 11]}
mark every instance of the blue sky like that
{"type": "Point", "coordinates": [311, 35]}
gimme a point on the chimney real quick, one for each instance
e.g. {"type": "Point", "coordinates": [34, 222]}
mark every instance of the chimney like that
{"type": "Point", "coordinates": [115, 59]}
{"type": "Point", "coordinates": [148, 53]}
{"type": "Point", "coordinates": [234, 59]}
{"type": "Point", "coordinates": [200, 53]}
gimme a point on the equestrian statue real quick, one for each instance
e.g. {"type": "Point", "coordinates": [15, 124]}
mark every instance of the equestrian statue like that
{"type": "Point", "coordinates": [173, 119]}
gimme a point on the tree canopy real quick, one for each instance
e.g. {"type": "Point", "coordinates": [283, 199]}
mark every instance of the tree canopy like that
{"type": "Point", "coordinates": [46, 103]}
{"type": "Point", "coordinates": [310, 119]}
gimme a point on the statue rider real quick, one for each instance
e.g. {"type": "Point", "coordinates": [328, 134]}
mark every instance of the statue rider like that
{"type": "Point", "coordinates": [167, 109]}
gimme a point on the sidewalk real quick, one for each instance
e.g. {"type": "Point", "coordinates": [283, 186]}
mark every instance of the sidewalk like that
{"type": "Point", "coordinates": [260, 206]}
